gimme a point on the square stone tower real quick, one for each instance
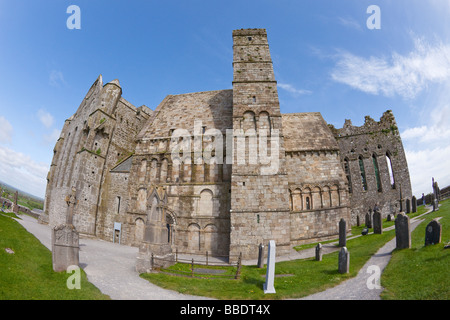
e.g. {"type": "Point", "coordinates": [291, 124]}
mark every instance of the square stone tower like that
{"type": "Point", "coordinates": [259, 184]}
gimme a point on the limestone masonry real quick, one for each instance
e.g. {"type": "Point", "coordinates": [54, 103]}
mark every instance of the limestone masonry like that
{"type": "Point", "coordinates": [306, 175]}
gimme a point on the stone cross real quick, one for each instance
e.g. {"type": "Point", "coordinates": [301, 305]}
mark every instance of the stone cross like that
{"type": "Point", "coordinates": [433, 232]}
{"type": "Point", "coordinates": [270, 273]}
{"type": "Point", "coordinates": [377, 223]}
{"type": "Point", "coordinates": [344, 261]}
{"type": "Point", "coordinates": [342, 233]}
{"type": "Point", "coordinates": [319, 252]}
{"type": "Point", "coordinates": [402, 231]}
{"type": "Point", "coordinates": [71, 201]}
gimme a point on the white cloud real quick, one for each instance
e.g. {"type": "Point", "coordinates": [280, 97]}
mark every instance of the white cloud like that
{"type": "Point", "coordinates": [6, 130]}
{"type": "Point", "coordinates": [428, 163]}
{"type": "Point", "coordinates": [290, 88]}
{"type": "Point", "coordinates": [22, 172]}
{"type": "Point", "coordinates": [52, 137]}
{"type": "Point", "coordinates": [350, 22]}
{"type": "Point", "coordinates": [403, 75]}
{"type": "Point", "coordinates": [56, 78]}
{"type": "Point", "coordinates": [45, 118]}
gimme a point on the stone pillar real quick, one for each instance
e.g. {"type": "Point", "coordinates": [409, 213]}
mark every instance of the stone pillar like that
{"type": "Point", "coordinates": [270, 273]}
{"type": "Point", "coordinates": [402, 231]}
{"type": "Point", "coordinates": [319, 252]}
{"type": "Point", "coordinates": [369, 219]}
{"type": "Point", "coordinates": [342, 233]}
{"type": "Point", "coordinates": [15, 206]}
{"type": "Point", "coordinates": [261, 256]}
{"type": "Point", "coordinates": [344, 261]}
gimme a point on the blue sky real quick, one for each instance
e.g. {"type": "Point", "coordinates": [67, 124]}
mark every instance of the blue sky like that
{"type": "Point", "coordinates": [325, 59]}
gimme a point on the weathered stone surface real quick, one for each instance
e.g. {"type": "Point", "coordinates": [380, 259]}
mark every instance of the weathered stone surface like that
{"type": "Point", "coordinates": [433, 232]}
{"type": "Point", "coordinates": [344, 261]}
{"type": "Point", "coordinates": [402, 231]}
{"type": "Point", "coordinates": [319, 252]}
{"type": "Point", "coordinates": [116, 154]}
{"type": "Point", "coordinates": [65, 247]}
{"type": "Point", "coordinates": [342, 233]}
{"type": "Point", "coordinates": [377, 223]}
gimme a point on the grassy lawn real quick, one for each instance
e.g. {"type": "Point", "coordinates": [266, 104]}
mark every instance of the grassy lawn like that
{"type": "Point", "coordinates": [28, 275]}
{"type": "Point", "coordinates": [421, 273]}
{"type": "Point", "coordinates": [295, 278]}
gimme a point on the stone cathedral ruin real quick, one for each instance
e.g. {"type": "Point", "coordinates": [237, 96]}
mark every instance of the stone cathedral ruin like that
{"type": "Point", "coordinates": [131, 189]}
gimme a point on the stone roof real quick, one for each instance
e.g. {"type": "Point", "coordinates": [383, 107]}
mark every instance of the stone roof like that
{"type": "Point", "coordinates": [213, 108]}
{"type": "Point", "coordinates": [307, 132]}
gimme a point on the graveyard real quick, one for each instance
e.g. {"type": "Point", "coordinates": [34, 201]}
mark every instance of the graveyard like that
{"type": "Point", "coordinates": [408, 273]}
{"type": "Point", "coordinates": [418, 272]}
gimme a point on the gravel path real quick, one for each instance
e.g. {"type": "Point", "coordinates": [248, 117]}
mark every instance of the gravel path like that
{"type": "Point", "coordinates": [110, 267]}
{"type": "Point", "coordinates": [356, 288]}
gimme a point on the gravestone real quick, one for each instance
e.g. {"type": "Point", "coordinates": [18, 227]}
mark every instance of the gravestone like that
{"type": "Point", "coordinates": [15, 206]}
{"type": "Point", "coordinates": [344, 261]}
{"type": "Point", "coordinates": [402, 231]}
{"type": "Point", "coordinates": [261, 256]}
{"type": "Point", "coordinates": [414, 204]}
{"type": "Point", "coordinates": [433, 232]}
{"type": "Point", "coordinates": [369, 219]}
{"type": "Point", "coordinates": [65, 239]}
{"type": "Point", "coordinates": [377, 223]}
{"type": "Point", "coordinates": [435, 195]}
{"type": "Point", "coordinates": [270, 273]}
{"type": "Point", "coordinates": [408, 206]}
{"type": "Point", "coordinates": [342, 233]}
{"type": "Point", "coordinates": [319, 252]}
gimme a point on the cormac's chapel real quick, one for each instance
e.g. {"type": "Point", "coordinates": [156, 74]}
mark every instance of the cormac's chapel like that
{"type": "Point", "coordinates": [130, 188]}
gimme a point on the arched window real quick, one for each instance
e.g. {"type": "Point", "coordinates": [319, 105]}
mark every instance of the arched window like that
{"type": "Point", "coordinates": [363, 173]}
{"type": "Point", "coordinates": [377, 172]}
{"type": "Point", "coordinates": [391, 172]}
{"type": "Point", "coordinates": [308, 204]}
{"type": "Point", "coordinates": [347, 174]}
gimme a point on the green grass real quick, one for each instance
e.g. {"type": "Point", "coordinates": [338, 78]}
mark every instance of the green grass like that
{"type": "Point", "coordinates": [303, 277]}
{"type": "Point", "coordinates": [421, 273]}
{"type": "Point", "coordinates": [28, 275]}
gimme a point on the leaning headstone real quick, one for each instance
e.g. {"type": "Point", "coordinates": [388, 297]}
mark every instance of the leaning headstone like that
{"type": "Point", "coordinates": [65, 240]}
{"type": "Point", "coordinates": [377, 223]}
{"type": "Point", "coordinates": [402, 231]}
{"type": "Point", "coordinates": [414, 204]}
{"type": "Point", "coordinates": [261, 256]}
{"type": "Point", "coordinates": [342, 233]}
{"type": "Point", "coordinates": [433, 232]}
{"type": "Point", "coordinates": [319, 252]}
{"type": "Point", "coordinates": [344, 260]}
{"type": "Point", "coordinates": [270, 273]}
{"type": "Point", "coordinates": [369, 219]}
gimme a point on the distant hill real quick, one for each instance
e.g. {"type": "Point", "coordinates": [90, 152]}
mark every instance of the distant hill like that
{"type": "Point", "coordinates": [24, 198]}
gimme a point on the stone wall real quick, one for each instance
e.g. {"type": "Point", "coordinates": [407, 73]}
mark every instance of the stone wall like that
{"type": "Point", "coordinates": [367, 154]}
